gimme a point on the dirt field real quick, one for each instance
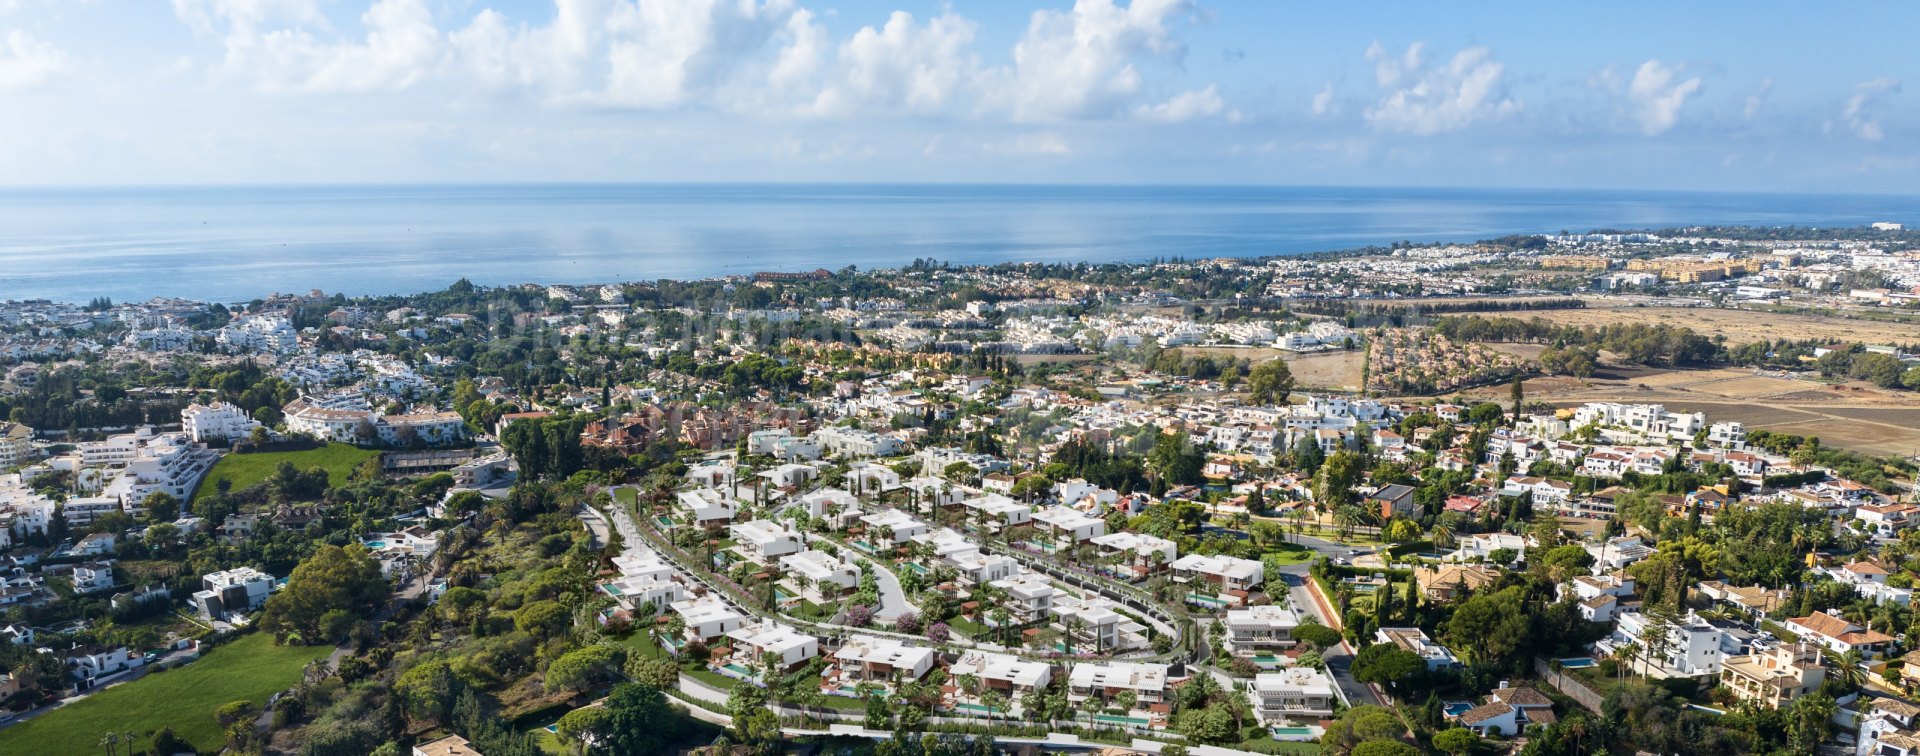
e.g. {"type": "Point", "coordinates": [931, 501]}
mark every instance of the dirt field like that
{"type": "Point", "coordinates": [1853, 415]}
{"type": "Point", "coordinates": [1738, 326]}
{"type": "Point", "coordinates": [1335, 370]}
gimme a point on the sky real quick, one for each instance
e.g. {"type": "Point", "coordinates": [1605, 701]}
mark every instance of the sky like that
{"type": "Point", "coordinates": [1762, 96]}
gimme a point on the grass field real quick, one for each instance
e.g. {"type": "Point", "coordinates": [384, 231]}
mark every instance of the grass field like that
{"type": "Point", "coordinates": [250, 668]}
{"type": "Point", "coordinates": [247, 469]}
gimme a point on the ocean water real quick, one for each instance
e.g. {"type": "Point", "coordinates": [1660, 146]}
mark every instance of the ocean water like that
{"type": "Point", "coordinates": [234, 244]}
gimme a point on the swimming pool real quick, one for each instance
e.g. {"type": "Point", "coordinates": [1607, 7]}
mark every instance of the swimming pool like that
{"type": "Point", "coordinates": [1117, 719]}
{"type": "Point", "coordinates": [1456, 708]}
{"type": "Point", "coordinates": [1581, 662]}
{"type": "Point", "coordinates": [376, 544]}
{"type": "Point", "coordinates": [1281, 733]}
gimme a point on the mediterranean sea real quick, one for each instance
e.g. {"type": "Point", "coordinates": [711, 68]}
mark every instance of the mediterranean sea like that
{"type": "Point", "coordinates": [238, 243]}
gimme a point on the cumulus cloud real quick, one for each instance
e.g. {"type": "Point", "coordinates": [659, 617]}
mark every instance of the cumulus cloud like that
{"type": "Point", "coordinates": [27, 61]}
{"type": "Point", "coordinates": [1186, 106]}
{"type": "Point", "coordinates": [1080, 63]}
{"type": "Point", "coordinates": [1323, 103]}
{"type": "Point", "coordinates": [275, 46]}
{"type": "Point", "coordinates": [920, 68]}
{"type": "Point", "coordinates": [1757, 99]}
{"type": "Point", "coordinates": [1862, 112]}
{"type": "Point", "coordinates": [1656, 97]}
{"type": "Point", "coordinates": [1431, 99]}
{"type": "Point", "coordinates": [757, 57]}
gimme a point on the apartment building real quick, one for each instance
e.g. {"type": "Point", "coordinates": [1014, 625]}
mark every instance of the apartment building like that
{"type": "Point", "coordinates": [1774, 677]}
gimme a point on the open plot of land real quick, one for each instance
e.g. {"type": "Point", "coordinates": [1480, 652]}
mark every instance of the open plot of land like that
{"type": "Point", "coordinates": [1738, 326]}
{"type": "Point", "coordinates": [1853, 415]}
{"type": "Point", "coordinates": [244, 470]}
{"type": "Point", "coordinates": [1337, 370]}
{"type": "Point", "coordinates": [251, 669]}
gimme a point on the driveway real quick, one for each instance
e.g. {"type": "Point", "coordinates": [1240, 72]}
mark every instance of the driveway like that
{"type": "Point", "coordinates": [893, 598]}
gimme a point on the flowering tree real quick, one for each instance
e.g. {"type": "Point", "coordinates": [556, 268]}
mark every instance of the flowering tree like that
{"type": "Point", "coordinates": [938, 632]}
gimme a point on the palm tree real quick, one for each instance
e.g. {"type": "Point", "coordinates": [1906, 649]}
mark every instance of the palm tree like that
{"type": "Point", "coordinates": [1442, 535]}
{"type": "Point", "coordinates": [111, 740]}
{"type": "Point", "coordinates": [1348, 516]}
{"type": "Point", "coordinates": [1623, 658]}
{"type": "Point", "coordinates": [1851, 666]}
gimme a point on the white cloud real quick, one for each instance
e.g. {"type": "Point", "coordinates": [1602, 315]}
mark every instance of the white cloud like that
{"type": "Point", "coordinates": [903, 65]}
{"type": "Point", "coordinates": [1757, 99]}
{"type": "Point", "coordinates": [26, 61]}
{"type": "Point", "coordinates": [1423, 99]}
{"type": "Point", "coordinates": [1323, 103]}
{"type": "Point", "coordinates": [1080, 64]}
{"type": "Point", "coordinates": [751, 57]}
{"type": "Point", "coordinates": [274, 45]}
{"type": "Point", "coordinates": [1186, 106]}
{"type": "Point", "coordinates": [1656, 98]}
{"type": "Point", "coordinates": [1862, 111]}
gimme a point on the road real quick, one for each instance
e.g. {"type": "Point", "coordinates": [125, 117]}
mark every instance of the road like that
{"type": "Point", "coordinates": [1339, 658]}
{"type": "Point", "coordinates": [893, 598]}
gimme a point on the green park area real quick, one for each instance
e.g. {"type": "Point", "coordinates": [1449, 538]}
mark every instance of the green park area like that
{"type": "Point", "coordinates": [249, 669]}
{"type": "Point", "coordinates": [245, 470]}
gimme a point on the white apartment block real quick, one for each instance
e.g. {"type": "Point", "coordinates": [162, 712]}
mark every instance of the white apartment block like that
{"type": "Point", "coordinates": [259, 333]}
{"type": "Point", "coordinates": [16, 444]}
{"type": "Point", "coordinates": [853, 442]}
{"type": "Point", "coordinates": [217, 421]}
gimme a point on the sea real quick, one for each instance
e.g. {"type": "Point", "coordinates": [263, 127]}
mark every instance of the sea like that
{"type": "Point", "coordinates": [232, 244]}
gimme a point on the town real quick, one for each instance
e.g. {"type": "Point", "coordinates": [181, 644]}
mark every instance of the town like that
{"type": "Point", "coordinates": [1635, 491]}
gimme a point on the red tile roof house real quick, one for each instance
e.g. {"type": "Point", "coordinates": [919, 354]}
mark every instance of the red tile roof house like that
{"type": "Point", "coordinates": [1839, 635]}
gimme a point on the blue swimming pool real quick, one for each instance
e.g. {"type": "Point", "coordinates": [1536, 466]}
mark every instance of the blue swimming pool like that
{"type": "Point", "coordinates": [1581, 662]}
{"type": "Point", "coordinates": [1456, 708]}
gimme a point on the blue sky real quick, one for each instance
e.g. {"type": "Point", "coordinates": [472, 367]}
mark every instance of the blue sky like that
{"type": "Point", "coordinates": [1760, 96]}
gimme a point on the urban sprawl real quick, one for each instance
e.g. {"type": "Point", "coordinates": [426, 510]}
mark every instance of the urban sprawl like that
{"type": "Point", "coordinates": [1454, 499]}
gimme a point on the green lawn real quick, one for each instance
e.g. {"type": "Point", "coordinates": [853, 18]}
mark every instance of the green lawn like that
{"type": "Point", "coordinates": [245, 470]}
{"type": "Point", "coordinates": [626, 496]}
{"type": "Point", "coordinates": [250, 668]}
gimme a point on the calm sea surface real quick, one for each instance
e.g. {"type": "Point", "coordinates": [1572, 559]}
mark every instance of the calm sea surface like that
{"type": "Point", "coordinates": [232, 244]}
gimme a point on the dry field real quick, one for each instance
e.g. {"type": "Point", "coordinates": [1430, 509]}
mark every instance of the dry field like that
{"type": "Point", "coordinates": [1854, 415]}
{"type": "Point", "coordinates": [1738, 326]}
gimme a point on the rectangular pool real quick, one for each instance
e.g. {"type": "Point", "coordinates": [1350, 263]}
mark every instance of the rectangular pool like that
{"type": "Point", "coordinates": [1578, 663]}
{"type": "Point", "coordinates": [1456, 708]}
